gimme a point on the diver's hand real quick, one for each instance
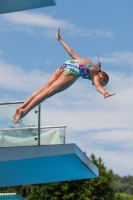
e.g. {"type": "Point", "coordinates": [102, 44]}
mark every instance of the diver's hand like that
{"type": "Point", "coordinates": [108, 95]}
{"type": "Point", "coordinates": [58, 34]}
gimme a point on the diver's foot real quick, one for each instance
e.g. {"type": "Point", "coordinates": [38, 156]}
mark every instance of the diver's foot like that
{"type": "Point", "coordinates": [20, 115]}
{"type": "Point", "coordinates": [16, 114]}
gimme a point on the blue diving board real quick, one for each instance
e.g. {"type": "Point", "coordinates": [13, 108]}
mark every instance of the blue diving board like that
{"type": "Point", "coordinates": [44, 164]}
{"type": "Point", "coordinates": [7, 6]}
{"type": "Point", "coordinates": [11, 196]}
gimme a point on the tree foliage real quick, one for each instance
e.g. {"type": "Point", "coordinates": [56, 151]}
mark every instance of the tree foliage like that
{"type": "Point", "coordinates": [122, 196]}
{"type": "Point", "coordinates": [123, 184]}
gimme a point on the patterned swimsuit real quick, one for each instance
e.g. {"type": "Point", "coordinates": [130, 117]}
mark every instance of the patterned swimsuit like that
{"type": "Point", "coordinates": [76, 68]}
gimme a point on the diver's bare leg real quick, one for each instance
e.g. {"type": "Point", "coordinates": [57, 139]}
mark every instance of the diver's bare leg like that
{"type": "Point", "coordinates": [53, 78]}
{"type": "Point", "coordinates": [62, 83]}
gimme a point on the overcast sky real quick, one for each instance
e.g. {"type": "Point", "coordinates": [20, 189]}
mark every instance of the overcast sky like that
{"type": "Point", "coordinates": [29, 53]}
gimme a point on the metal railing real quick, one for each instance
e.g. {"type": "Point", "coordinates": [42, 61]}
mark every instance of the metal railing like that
{"type": "Point", "coordinates": [39, 127]}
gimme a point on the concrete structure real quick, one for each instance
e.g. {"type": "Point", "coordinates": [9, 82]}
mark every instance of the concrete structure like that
{"type": "Point", "coordinates": [43, 164]}
{"type": "Point", "coordinates": [7, 6]}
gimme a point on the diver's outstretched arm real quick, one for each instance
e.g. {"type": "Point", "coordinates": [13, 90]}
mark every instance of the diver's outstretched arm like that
{"type": "Point", "coordinates": [67, 48]}
{"type": "Point", "coordinates": [100, 88]}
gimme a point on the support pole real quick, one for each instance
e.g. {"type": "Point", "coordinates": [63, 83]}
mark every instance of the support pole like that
{"type": "Point", "coordinates": [39, 123]}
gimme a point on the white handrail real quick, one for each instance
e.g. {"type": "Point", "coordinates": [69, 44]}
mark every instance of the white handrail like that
{"type": "Point", "coordinates": [13, 102]}
{"type": "Point", "coordinates": [34, 127]}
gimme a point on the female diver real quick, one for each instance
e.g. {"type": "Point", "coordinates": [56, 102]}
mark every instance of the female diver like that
{"type": "Point", "coordinates": [63, 78]}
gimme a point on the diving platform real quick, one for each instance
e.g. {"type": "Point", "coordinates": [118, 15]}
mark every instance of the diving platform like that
{"type": "Point", "coordinates": [35, 154]}
{"type": "Point", "coordinates": [44, 164]}
{"type": "Point", "coordinates": [8, 6]}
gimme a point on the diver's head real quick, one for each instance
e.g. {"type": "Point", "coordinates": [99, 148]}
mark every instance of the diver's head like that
{"type": "Point", "coordinates": [104, 78]}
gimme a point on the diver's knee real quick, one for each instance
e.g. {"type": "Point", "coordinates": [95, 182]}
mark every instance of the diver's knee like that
{"type": "Point", "coordinates": [43, 95]}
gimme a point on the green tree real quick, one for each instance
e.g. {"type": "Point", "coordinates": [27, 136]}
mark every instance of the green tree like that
{"type": "Point", "coordinates": [102, 187]}
{"type": "Point", "coordinates": [123, 184]}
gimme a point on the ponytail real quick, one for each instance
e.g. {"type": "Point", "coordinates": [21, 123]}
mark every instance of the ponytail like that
{"type": "Point", "coordinates": [98, 66]}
